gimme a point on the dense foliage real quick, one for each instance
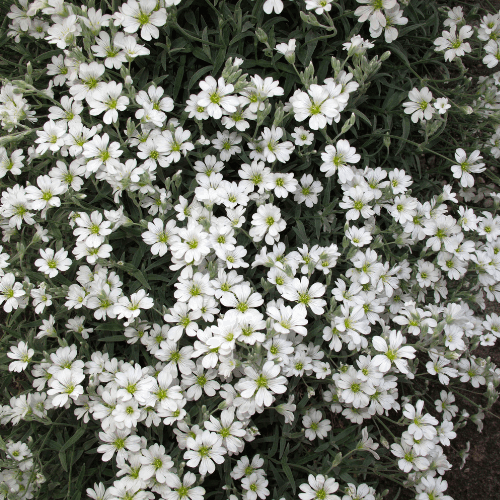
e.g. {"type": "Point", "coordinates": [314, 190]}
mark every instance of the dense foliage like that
{"type": "Point", "coordinates": [247, 247]}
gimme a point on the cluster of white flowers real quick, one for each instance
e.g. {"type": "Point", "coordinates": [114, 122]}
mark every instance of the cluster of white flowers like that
{"type": "Point", "coordinates": [20, 477]}
{"type": "Point", "coordinates": [228, 341]}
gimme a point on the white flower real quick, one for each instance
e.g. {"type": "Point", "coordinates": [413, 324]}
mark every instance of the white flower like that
{"type": "Point", "coordinates": [404, 209]}
{"type": "Point", "coordinates": [282, 184]}
{"type": "Point", "coordinates": [109, 100]}
{"type": "Point", "coordinates": [226, 144]}
{"type": "Point", "coordinates": [255, 486]}
{"type": "Point", "coordinates": [373, 11]}
{"type": "Point", "coordinates": [176, 144]}
{"type": "Point", "coordinates": [300, 292]}
{"type": "Point", "coordinates": [357, 45]}
{"type": "Point", "coordinates": [155, 463]}
{"type": "Point", "coordinates": [267, 222]}
{"type": "Point", "coordinates": [302, 136]}
{"type": "Point", "coordinates": [288, 319]}
{"type": "Point", "coordinates": [12, 163]}
{"type": "Point", "coordinates": [442, 105]}
{"type": "Point", "coordinates": [316, 104]}
{"type": "Point", "coordinates": [315, 426]}
{"type": "Point", "coordinates": [263, 384]}
{"type": "Point", "coordinates": [455, 16]}
{"type": "Point", "coordinates": [454, 44]}
{"type": "Point", "coordinates": [408, 458]}
{"type": "Point", "coordinates": [106, 48]}
{"type": "Point", "coordinates": [229, 429]}
{"type": "Point", "coordinates": [273, 5]}
{"type": "Point", "coordinates": [356, 201]}
{"type": "Point", "coordinates": [422, 426]}
{"type": "Point", "coordinates": [359, 237]}
{"type": "Point", "coordinates": [51, 137]}
{"type": "Point", "coordinates": [215, 97]}
{"type": "Point", "coordinates": [46, 194]}
{"type": "Point", "coordinates": [89, 81]}
{"type": "Point", "coordinates": [92, 229]}
{"type": "Point", "coordinates": [159, 236]}
{"type": "Point", "coordinates": [419, 106]}
{"type": "Point", "coordinates": [64, 385]}
{"type": "Point", "coordinates": [191, 244]}
{"type": "Point", "coordinates": [319, 6]}
{"type": "Point", "coordinates": [393, 353]}
{"type": "Point", "coordinates": [466, 166]}
{"type": "Point", "coordinates": [355, 390]}
{"type": "Point", "coordinates": [142, 15]}
{"type": "Point", "coordinates": [308, 190]}
{"type": "Point", "coordinates": [287, 49]}
{"type": "Point", "coordinates": [394, 17]}
{"type": "Point", "coordinates": [335, 158]}
{"type": "Point", "coordinates": [319, 488]}
{"type": "Point", "coordinates": [492, 49]}
{"type": "Point", "coordinates": [274, 150]}
{"type": "Point", "coordinates": [23, 354]}
{"type": "Point", "coordinates": [99, 153]}
{"type": "Point", "coordinates": [119, 441]}
{"type": "Point", "coordinates": [51, 263]}
{"type": "Point", "coordinates": [203, 451]}
{"type": "Point", "coordinates": [185, 489]}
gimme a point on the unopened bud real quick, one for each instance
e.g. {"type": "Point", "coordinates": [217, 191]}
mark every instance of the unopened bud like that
{"type": "Point", "coordinates": [385, 56]}
{"type": "Point", "coordinates": [261, 35]}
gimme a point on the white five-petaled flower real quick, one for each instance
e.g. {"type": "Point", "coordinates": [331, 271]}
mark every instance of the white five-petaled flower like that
{"type": "Point", "coordinates": [274, 150]}
{"type": "Point", "coordinates": [372, 11]}
{"type": "Point", "coordinates": [492, 57]}
{"type": "Point", "coordinates": [155, 463]}
{"type": "Point", "coordinates": [91, 229]}
{"type": "Point", "coordinates": [336, 159]}
{"type": "Point", "coordinates": [52, 262]}
{"type": "Point", "coordinates": [10, 292]}
{"type": "Point", "coordinates": [203, 451]}
{"type": "Point", "coordinates": [216, 97]}
{"type": "Point", "coordinates": [64, 385]}
{"type": "Point", "coordinates": [467, 165]}
{"type": "Point", "coordinates": [22, 354]}
{"type": "Point", "coordinates": [453, 43]}
{"type": "Point", "coordinates": [319, 488]}
{"type": "Point", "coordinates": [267, 222]}
{"type": "Point", "coordinates": [419, 106]}
{"type": "Point", "coordinates": [108, 100]}
{"type": "Point", "coordinates": [160, 235]}
{"type": "Point", "coordinates": [315, 426]}
{"type": "Point", "coordinates": [316, 104]}
{"type": "Point", "coordinates": [142, 15]}
{"type": "Point", "coordinates": [263, 383]}
{"type": "Point", "coordinates": [392, 353]}
{"type": "Point", "coordinates": [305, 296]}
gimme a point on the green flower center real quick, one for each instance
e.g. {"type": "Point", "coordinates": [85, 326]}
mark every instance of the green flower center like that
{"type": "Point", "coordinates": [182, 492]}
{"type": "Point", "coordinates": [304, 298]}
{"type": "Point", "coordinates": [315, 109]}
{"type": "Point", "coordinates": [261, 382]}
{"type": "Point", "coordinates": [242, 307]}
{"type": "Point", "coordinates": [204, 451]}
{"type": "Point", "coordinates": [119, 443]}
{"type": "Point", "coordinates": [143, 18]}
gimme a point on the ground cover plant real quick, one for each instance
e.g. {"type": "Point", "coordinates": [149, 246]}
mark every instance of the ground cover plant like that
{"type": "Point", "coordinates": [247, 247]}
